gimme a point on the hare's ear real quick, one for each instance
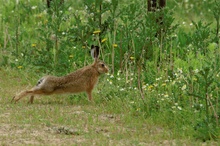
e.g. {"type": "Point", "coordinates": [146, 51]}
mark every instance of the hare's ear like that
{"type": "Point", "coordinates": [95, 52]}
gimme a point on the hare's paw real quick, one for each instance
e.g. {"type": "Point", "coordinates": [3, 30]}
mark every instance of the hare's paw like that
{"type": "Point", "coordinates": [14, 99]}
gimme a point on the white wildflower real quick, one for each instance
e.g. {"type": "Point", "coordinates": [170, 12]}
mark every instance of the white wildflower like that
{"type": "Point", "coordinates": [118, 73]}
{"type": "Point", "coordinates": [196, 71]}
{"type": "Point", "coordinates": [179, 108]}
{"type": "Point", "coordinates": [144, 87]}
{"type": "Point", "coordinates": [184, 87]}
{"type": "Point", "coordinates": [166, 95]}
{"type": "Point", "coordinates": [33, 7]}
{"type": "Point", "coordinates": [86, 7]}
{"type": "Point", "coordinates": [157, 79]}
{"type": "Point", "coordinates": [91, 14]}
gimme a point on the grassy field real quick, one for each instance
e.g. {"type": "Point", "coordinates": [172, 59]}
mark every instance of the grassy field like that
{"type": "Point", "coordinates": [162, 88]}
{"type": "Point", "coordinates": [72, 120]}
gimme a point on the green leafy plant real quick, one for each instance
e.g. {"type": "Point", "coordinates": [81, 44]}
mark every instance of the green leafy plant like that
{"type": "Point", "coordinates": [164, 65]}
{"type": "Point", "coordinates": [203, 87]}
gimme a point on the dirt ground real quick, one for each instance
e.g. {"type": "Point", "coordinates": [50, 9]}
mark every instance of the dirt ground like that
{"type": "Point", "coordinates": [88, 128]}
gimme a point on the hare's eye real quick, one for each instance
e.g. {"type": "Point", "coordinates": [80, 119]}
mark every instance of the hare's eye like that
{"type": "Point", "coordinates": [103, 65]}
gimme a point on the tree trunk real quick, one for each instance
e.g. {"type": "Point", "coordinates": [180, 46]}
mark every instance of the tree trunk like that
{"type": "Point", "coordinates": [48, 2]}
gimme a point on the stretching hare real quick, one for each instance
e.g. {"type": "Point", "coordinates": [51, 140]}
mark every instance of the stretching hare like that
{"type": "Point", "coordinates": [82, 80]}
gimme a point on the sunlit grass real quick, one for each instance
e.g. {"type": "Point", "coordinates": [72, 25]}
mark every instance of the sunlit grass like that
{"type": "Point", "coordinates": [104, 121]}
{"type": "Point", "coordinates": [160, 90]}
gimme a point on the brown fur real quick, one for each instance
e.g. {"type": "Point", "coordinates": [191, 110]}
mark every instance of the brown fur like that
{"type": "Point", "coordinates": [82, 80]}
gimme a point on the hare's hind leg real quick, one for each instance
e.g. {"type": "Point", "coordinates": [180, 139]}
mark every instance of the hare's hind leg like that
{"type": "Point", "coordinates": [31, 99]}
{"type": "Point", "coordinates": [20, 95]}
{"type": "Point", "coordinates": [32, 92]}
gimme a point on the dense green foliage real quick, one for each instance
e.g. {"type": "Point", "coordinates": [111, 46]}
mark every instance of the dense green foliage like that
{"type": "Point", "coordinates": [169, 72]}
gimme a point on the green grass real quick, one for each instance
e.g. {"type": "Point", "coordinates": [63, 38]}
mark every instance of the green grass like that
{"type": "Point", "coordinates": [163, 85]}
{"type": "Point", "coordinates": [53, 120]}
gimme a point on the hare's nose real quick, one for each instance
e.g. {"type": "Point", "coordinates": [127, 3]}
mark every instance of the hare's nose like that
{"type": "Point", "coordinates": [107, 69]}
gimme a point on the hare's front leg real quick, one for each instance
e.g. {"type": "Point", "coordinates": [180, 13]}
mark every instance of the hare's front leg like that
{"type": "Point", "coordinates": [89, 94]}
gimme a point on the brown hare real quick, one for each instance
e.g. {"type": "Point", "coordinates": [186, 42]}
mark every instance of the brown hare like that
{"type": "Point", "coordinates": [82, 80]}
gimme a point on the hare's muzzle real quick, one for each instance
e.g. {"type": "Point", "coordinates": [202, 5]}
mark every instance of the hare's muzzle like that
{"type": "Point", "coordinates": [107, 69]}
